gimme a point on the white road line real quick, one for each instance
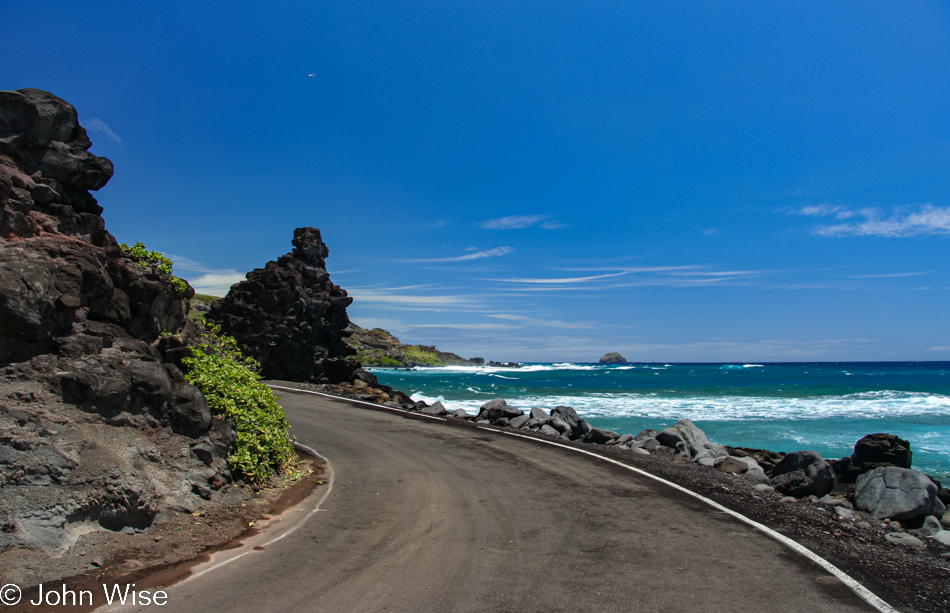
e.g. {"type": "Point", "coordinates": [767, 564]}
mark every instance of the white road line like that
{"type": "Point", "coordinates": [866, 594]}
{"type": "Point", "coordinates": [296, 526]}
{"type": "Point", "coordinates": [249, 550]}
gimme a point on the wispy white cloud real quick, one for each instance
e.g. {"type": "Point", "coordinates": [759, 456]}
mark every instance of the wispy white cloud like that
{"type": "Point", "coordinates": [716, 273]}
{"type": "Point", "coordinates": [99, 127]}
{"type": "Point", "coordinates": [473, 255]}
{"type": "Point", "coordinates": [211, 281]}
{"type": "Point", "coordinates": [394, 326]}
{"type": "Point", "coordinates": [636, 269]}
{"type": "Point", "coordinates": [641, 276]}
{"type": "Point", "coordinates": [182, 263]}
{"type": "Point", "coordinates": [940, 348]}
{"type": "Point", "coordinates": [892, 275]}
{"type": "Point", "coordinates": [389, 297]}
{"type": "Point", "coordinates": [900, 223]}
{"type": "Point", "coordinates": [559, 281]}
{"type": "Point", "coordinates": [512, 222]}
{"type": "Point", "coordinates": [827, 210]}
{"type": "Point", "coordinates": [465, 326]}
{"type": "Point", "coordinates": [215, 284]}
{"type": "Point", "coordinates": [547, 323]}
{"type": "Point", "coordinates": [518, 222]}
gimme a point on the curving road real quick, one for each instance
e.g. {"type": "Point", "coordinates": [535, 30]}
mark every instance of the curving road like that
{"type": "Point", "coordinates": [429, 517]}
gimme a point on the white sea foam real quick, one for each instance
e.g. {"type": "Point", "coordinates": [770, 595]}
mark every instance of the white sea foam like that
{"type": "Point", "coordinates": [867, 405]}
{"type": "Point", "coordinates": [484, 370]}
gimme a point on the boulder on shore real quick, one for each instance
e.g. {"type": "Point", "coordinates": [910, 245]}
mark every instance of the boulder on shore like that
{"type": "Point", "coordinates": [497, 409]}
{"type": "Point", "coordinates": [873, 451]}
{"type": "Point", "coordinates": [901, 494]}
{"type": "Point", "coordinates": [685, 435]}
{"type": "Point", "coordinates": [803, 473]}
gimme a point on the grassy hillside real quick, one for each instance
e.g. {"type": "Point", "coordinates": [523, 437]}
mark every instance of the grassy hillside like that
{"type": "Point", "coordinates": [200, 305]}
{"type": "Point", "coordinates": [377, 347]}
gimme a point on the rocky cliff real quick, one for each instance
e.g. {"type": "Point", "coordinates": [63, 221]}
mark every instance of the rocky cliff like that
{"type": "Point", "coordinates": [377, 347]}
{"type": "Point", "coordinates": [98, 428]}
{"type": "Point", "coordinates": [290, 317]}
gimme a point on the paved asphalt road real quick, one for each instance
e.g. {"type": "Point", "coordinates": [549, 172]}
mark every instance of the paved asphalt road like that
{"type": "Point", "coordinates": [428, 517]}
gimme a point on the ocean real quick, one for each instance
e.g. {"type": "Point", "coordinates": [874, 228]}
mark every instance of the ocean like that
{"type": "Point", "coordinates": [823, 406]}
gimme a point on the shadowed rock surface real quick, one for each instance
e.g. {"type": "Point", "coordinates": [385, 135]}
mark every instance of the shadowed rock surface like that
{"type": "Point", "coordinates": [290, 317]}
{"type": "Point", "coordinates": [97, 423]}
{"type": "Point", "coordinates": [803, 473]}
{"type": "Point", "coordinates": [874, 451]}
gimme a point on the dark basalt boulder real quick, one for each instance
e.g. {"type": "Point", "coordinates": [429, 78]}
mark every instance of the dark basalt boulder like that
{"type": "Point", "coordinates": [497, 409]}
{"type": "Point", "coordinates": [874, 451]}
{"type": "Point", "coordinates": [94, 410]}
{"type": "Point", "coordinates": [803, 473]}
{"type": "Point", "coordinates": [290, 317]}
{"type": "Point", "coordinates": [613, 358]}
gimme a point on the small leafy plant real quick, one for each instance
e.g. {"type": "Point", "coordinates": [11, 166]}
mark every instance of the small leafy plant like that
{"type": "Point", "coordinates": [230, 382]}
{"type": "Point", "coordinates": [155, 262]}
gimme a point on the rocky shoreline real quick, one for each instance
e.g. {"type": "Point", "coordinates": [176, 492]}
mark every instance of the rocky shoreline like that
{"type": "Point", "coordinates": [870, 514]}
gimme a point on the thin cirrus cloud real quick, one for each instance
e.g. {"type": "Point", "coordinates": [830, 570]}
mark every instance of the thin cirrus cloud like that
{"type": "Point", "coordinates": [518, 222]}
{"type": "Point", "coordinates": [547, 323]}
{"type": "Point", "coordinates": [473, 255]}
{"type": "Point", "coordinates": [215, 284]}
{"type": "Point", "coordinates": [211, 281]}
{"type": "Point", "coordinates": [671, 276]}
{"type": "Point", "coordinates": [559, 280]}
{"type": "Point", "coordinates": [394, 298]}
{"type": "Point", "coordinates": [892, 275]}
{"type": "Point", "coordinates": [926, 220]}
{"type": "Point", "coordinates": [99, 127]}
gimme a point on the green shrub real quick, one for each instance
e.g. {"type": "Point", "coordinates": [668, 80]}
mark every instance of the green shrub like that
{"type": "Point", "coordinates": [230, 382]}
{"type": "Point", "coordinates": [155, 262]}
{"type": "Point", "coordinates": [388, 361]}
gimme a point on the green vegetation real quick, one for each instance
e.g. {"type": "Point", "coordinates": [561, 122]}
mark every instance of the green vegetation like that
{"type": "Point", "coordinates": [230, 382]}
{"type": "Point", "coordinates": [201, 304]}
{"type": "Point", "coordinates": [377, 347]}
{"type": "Point", "coordinates": [423, 355]}
{"type": "Point", "coordinates": [155, 262]}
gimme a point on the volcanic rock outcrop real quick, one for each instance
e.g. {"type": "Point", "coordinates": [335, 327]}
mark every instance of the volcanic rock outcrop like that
{"type": "Point", "coordinates": [291, 318]}
{"type": "Point", "coordinates": [874, 451]}
{"type": "Point", "coordinates": [98, 427]}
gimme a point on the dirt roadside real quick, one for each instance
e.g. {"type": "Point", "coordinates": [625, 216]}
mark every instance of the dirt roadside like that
{"type": "Point", "coordinates": [166, 553]}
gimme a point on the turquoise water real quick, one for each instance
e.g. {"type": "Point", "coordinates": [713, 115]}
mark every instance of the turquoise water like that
{"type": "Point", "coordinates": [825, 407]}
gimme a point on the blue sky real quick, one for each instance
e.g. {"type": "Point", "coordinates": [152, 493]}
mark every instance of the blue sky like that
{"type": "Point", "coordinates": [537, 181]}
